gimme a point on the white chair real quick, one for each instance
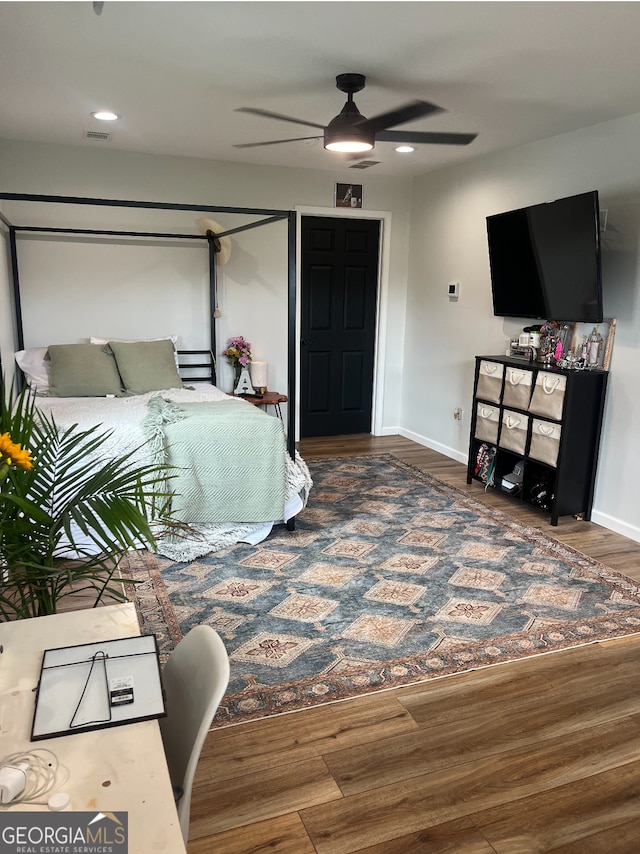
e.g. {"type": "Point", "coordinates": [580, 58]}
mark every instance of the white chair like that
{"type": "Point", "coordinates": [195, 678]}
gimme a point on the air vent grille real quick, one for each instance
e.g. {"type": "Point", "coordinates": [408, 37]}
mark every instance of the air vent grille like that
{"type": "Point", "coordinates": [100, 136]}
{"type": "Point", "coordinates": [365, 164]}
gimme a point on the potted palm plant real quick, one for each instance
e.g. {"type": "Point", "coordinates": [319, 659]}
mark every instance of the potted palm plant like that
{"type": "Point", "coordinates": [58, 498]}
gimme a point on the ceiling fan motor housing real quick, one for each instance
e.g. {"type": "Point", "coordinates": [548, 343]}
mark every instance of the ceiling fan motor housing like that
{"type": "Point", "coordinates": [350, 123]}
{"type": "Point", "coordinates": [350, 83]}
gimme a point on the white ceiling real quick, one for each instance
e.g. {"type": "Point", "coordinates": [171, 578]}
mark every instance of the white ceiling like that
{"type": "Point", "coordinates": [513, 72]}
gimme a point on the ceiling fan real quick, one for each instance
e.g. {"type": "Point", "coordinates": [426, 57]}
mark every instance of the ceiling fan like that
{"type": "Point", "coordinates": [350, 131]}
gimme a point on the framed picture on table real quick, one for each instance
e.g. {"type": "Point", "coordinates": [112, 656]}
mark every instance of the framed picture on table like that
{"type": "Point", "coordinates": [607, 329]}
{"type": "Point", "coordinates": [348, 196]}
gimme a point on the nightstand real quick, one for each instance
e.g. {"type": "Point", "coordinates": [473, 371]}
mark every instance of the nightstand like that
{"type": "Point", "coordinates": [269, 398]}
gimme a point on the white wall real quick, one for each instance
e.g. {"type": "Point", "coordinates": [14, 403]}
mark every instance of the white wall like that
{"type": "Point", "coordinates": [170, 283]}
{"type": "Point", "coordinates": [448, 242]}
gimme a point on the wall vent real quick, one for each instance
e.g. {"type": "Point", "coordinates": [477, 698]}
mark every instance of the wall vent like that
{"type": "Point", "coordinates": [365, 164]}
{"type": "Point", "coordinates": [99, 135]}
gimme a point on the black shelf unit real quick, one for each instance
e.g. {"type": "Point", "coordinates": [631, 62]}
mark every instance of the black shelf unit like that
{"type": "Point", "coordinates": [571, 480]}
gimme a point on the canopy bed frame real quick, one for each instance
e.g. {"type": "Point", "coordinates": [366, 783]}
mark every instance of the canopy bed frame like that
{"type": "Point", "coordinates": [266, 217]}
{"type": "Point", "coordinates": [234, 476]}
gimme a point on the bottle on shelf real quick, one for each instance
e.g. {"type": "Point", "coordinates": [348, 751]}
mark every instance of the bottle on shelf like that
{"type": "Point", "coordinates": [584, 350]}
{"type": "Point", "coordinates": [594, 346]}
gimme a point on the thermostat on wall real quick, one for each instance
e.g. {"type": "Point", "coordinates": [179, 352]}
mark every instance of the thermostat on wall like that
{"type": "Point", "coordinates": [453, 289]}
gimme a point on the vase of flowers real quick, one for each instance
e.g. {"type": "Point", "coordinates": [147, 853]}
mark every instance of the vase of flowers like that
{"type": "Point", "coordinates": [238, 354]}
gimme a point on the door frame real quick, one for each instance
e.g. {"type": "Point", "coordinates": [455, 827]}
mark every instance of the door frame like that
{"type": "Point", "coordinates": [382, 299]}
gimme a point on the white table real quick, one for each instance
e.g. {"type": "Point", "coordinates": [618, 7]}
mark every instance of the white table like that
{"type": "Point", "coordinates": [120, 768]}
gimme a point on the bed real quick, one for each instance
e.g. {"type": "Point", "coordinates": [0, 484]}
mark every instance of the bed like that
{"type": "Point", "coordinates": [234, 476]}
{"type": "Point", "coordinates": [150, 415]}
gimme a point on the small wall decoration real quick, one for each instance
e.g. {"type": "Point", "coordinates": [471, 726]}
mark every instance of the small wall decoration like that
{"type": "Point", "coordinates": [348, 195]}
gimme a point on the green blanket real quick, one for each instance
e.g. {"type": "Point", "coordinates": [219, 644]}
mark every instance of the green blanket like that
{"type": "Point", "coordinates": [229, 458]}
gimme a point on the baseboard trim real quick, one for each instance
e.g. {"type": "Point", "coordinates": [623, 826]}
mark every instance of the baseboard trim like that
{"type": "Point", "coordinates": [388, 431]}
{"type": "Point", "coordinates": [605, 520]}
{"type": "Point", "coordinates": [452, 453]}
{"type": "Point", "coordinates": [616, 525]}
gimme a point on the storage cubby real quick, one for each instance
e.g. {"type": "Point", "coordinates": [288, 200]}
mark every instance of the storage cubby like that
{"type": "Point", "coordinates": [506, 462]}
{"type": "Point", "coordinates": [546, 418]}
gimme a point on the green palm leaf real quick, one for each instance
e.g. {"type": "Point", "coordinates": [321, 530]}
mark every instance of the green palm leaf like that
{"type": "Point", "coordinates": [73, 494]}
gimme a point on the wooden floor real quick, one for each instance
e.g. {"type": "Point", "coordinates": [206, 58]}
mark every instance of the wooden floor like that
{"type": "Point", "coordinates": [539, 755]}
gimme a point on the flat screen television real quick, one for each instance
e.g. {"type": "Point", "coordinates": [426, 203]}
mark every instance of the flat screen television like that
{"type": "Point", "coordinates": [545, 260]}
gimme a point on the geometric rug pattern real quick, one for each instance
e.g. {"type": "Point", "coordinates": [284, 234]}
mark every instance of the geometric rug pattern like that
{"type": "Point", "coordinates": [391, 577]}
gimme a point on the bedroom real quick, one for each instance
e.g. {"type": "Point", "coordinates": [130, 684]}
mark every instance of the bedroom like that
{"type": "Point", "coordinates": [437, 235]}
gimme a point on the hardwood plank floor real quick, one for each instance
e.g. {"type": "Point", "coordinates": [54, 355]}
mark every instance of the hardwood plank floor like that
{"type": "Point", "coordinates": [541, 755]}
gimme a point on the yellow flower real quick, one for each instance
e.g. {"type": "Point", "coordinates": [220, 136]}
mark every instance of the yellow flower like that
{"type": "Point", "coordinates": [13, 454]}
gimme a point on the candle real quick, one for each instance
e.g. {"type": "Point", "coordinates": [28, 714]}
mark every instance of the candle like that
{"type": "Point", "coordinates": [259, 374]}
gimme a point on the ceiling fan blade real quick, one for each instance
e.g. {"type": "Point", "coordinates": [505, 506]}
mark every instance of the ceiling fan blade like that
{"type": "Point", "coordinates": [274, 141]}
{"type": "Point", "coordinates": [429, 137]}
{"type": "Point", "coordinates": [406, 113]}
{"type": "Point", "coordinates": [269, 115]}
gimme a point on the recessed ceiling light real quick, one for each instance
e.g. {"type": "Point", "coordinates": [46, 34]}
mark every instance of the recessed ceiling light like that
{"type": "Point", "coordinates": [105, 115]}
{"type": "Point", "coordinates": [405, 149]}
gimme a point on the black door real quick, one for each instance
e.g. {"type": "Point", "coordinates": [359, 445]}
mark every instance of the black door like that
{"type": "Point", "coordinates": [338, 324]}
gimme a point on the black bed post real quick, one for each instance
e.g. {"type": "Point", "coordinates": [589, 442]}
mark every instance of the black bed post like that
{"type": "Point", "coordinates": [291, 337]}
{"type": "Point", "coordinates": [13, 250]}
{"type": "Point", "coordinates": [213, 301]}
{"type": "Point", "coordinates": [292, 377]}
{"type": "Point", "coordinates": [16, 288]}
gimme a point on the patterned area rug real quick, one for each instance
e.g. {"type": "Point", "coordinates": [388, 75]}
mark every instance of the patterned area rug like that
{"type": "Point", "coordinates": [390, 578]}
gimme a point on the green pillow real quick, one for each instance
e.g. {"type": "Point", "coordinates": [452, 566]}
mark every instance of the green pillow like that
{"type": "Point", "coordinates": [146, 365]}
{"type": "Point", "coordinates": [82, 370]}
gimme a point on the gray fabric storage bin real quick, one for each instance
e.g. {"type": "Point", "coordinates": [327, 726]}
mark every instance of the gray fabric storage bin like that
{"type": "Point", "coordinates": [545, 441]}
{"type": "Point", "coordinates": [487, 422]}
{"type": "Point", "coordinates": [518, 384]}
{"type": "Point", "coordinates": [548, 395]}
{"type": "Point", "coordinates": [490, 381]}
{"type": "Point", "coordinates": [513, 431]}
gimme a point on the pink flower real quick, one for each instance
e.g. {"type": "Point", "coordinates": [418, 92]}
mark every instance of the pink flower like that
{"type": "Point", "coordinates": [238, 351]}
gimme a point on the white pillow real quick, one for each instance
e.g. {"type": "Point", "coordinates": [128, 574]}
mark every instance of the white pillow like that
{"type": "Point", "coordinates": [173, 338]}
{"type": "Point", "coordinates": [35, 368]}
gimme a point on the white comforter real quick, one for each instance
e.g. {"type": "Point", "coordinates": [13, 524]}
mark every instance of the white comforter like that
{"type": "Point", "coordinates": [122, 415]}
{"type": "Point", "coordinates": [122, 418]}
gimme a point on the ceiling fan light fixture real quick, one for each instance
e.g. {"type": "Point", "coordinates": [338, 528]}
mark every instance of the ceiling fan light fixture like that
{"type": "Point", "coordinates": [352, 145]}
{"type": "Point", "coordinates": [105, 115]}
{"type": "Point", "coordinates": [346, 132]}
